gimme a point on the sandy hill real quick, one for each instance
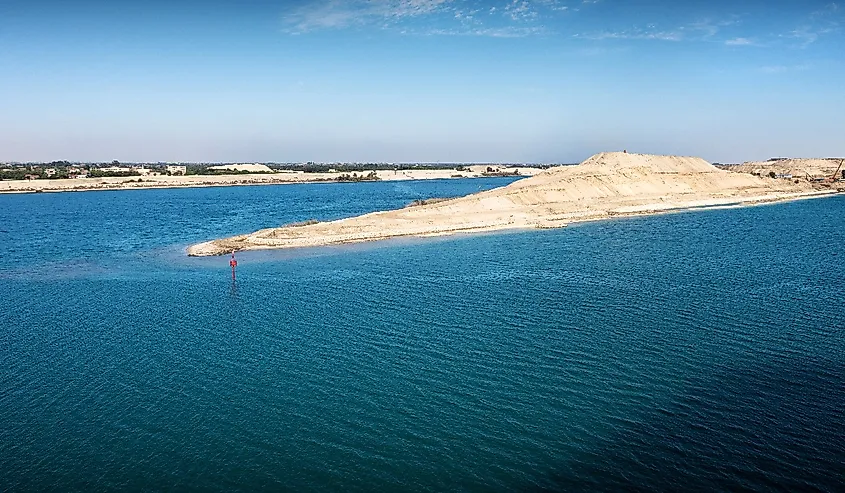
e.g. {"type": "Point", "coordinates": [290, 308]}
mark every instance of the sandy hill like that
{"type": "Point", "coordinates": [799, 167]}
{"type": "Point", "coordinates": [605, 185]}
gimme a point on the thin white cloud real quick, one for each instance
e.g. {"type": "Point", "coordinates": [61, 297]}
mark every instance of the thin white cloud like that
{"type": "Point", "coordinates": [739, 42]}
{"type": "Point", "coordinates": [829, 9]}
{"type": "Point", "coordinates": [818, 23]}
{"type": "Point", "coordinates": [805, 35]}
{"type": "Point", "coordinates": [491, 32]}
{"type": "Point", "coordinates": [648, 33]}
{"type": "Point", "coordinates": [509, 18]}
{"type": "Point", "coordinates": [697, 31]}
{"type": "Point", "coordinates": [780, 69]}
{"type": "Point", "coordinates": [552, 5]}
{"type": "Point", "coordinates": [333, 14]}
{"type": "Point", "coordinates": [774, 69]}
{"type": "Point", "coordinates": [520, 10]}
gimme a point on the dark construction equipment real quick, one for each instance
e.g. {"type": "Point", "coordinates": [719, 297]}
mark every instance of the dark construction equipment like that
{"type": "Point", "coordinates": [833, 178]}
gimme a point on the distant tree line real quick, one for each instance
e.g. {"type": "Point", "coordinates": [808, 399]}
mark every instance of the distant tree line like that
{"type": "Point", "coordinates": [355, 177]}
{"type": "Point", "coordinates": [97, 173]}
{"type": "Point", "coordinates": [60, 169]}
{"type": "Point", "coordinates": [23, 174]}
{"type": "Point", "coordinates": [205, 169]}
{"type": "Point", "coordinates": [34, 172]}
{"type": "Point", "coordinates": [346, 167]}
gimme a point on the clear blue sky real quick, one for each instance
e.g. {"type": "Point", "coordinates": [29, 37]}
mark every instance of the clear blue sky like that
{"type": "Point", "coordinates": [419, 80]}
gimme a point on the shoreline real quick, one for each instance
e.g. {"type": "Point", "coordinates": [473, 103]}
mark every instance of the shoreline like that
{"type": "Point", "coordinates": [211, 248]}
{"type": "Point", "coordinates": [207, 181]}
{"type": "Point", "coordinates": [608, 185]}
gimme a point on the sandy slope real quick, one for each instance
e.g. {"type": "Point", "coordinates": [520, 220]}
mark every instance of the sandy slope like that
{"type": "Point", "coordinates": [798, 168]}
{"type": "Point", "coordinates": [607, 184]}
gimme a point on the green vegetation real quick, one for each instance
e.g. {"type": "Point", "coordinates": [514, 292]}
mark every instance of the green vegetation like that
{"type": "Point", "coordinates": [48, 172]}
{"type": "Point", "coordinates": [16, 174]}
{"type": "Point", "coordinates": [492, 172]}
{"type": "Point", "coordinates": [201, 169]}
{"type": "Point", "coordinates": [311, 167]}
{"type": "Point", "coordinates": [96, 173]}
{"type": "Point", "coordinates": [354, 177]}
{"type": "Point", "coordinates": [197, 169]}
{"type": "Point", "coordinates": [347, 171]}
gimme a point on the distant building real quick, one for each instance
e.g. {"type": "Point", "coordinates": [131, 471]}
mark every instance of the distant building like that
{"type": "Point", "coordinates": [76, 172]}
{"type": "Point", "coordinates": [141, 170]}
{"type": "Point", "coordinates": [177, 170]}
{"type": "Point", "coordinates": [116, 169]}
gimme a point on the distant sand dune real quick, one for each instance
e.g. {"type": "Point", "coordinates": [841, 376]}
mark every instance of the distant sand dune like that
{"type": "Point", "coordinates": [605, 185]}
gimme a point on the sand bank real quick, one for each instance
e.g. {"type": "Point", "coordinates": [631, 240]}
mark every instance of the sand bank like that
{"type": "Point", "coordinates": [129, 183]}
{"type": "Point", "coordinates": [801, 168]}
{"type": "Point", "coordinates": [606, 185]}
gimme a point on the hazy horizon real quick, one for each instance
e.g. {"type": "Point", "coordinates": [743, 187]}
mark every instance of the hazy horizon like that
{"type": "Point", "coordinates": [427, 81]}
{"type": "Point", "coordinates": [328, 163]}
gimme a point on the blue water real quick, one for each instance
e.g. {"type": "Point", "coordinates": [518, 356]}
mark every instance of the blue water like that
{"type": "Point", "coordinates": [691, 351]}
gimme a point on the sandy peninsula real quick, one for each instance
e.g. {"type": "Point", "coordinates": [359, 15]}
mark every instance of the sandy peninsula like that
{"type": "Point", "coordinates": [606, 185]}
{"type": "Point", "coordinates": [284, 177]}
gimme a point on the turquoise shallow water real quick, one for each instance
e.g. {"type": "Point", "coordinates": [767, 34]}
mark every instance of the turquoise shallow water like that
{"type": "Point", "coordinates": [691, 351]}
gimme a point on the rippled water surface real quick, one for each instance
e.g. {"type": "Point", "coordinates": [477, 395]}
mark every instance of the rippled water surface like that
{"type": "Point", "coordinates": [692, 351]}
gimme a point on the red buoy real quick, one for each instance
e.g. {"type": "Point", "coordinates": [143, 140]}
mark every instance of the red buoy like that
{"type": "Point", "coordinates": [233, 263]}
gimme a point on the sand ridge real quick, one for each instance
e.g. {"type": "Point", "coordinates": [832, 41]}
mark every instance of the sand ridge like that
{"type": "Point", "coordinates": [606, 185]}
{"type": "Point", "coordinates": [813, 168]}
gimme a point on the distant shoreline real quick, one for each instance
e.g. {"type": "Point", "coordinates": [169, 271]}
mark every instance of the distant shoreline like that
{"type": "Point", "coordinates": [283, 178]}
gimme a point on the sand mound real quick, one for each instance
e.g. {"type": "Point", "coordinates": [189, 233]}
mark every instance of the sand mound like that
{"type": "Point", "coordinates": [605, 185]}
{"type": "Point", "coordinates": [799, 167]}
{"type": "Point", "coordinates": [610, 162]}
